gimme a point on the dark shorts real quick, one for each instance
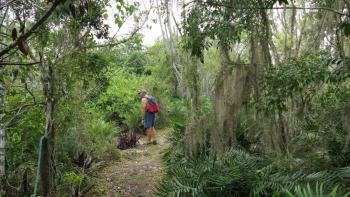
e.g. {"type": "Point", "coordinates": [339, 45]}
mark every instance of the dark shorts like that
{"type": "Point", "coordinates": [150, 120]}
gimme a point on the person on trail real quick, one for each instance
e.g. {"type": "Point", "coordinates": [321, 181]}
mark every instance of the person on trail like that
{"type": "Point", "coordinates": [149, 108]}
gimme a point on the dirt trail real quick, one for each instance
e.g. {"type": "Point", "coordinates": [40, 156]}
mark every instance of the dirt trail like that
{"type": "Point", "coordinates": [137, 173]}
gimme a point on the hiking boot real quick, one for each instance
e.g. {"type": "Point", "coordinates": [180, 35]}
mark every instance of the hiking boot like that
{"type": "Point", "coordinates": [154, 142]}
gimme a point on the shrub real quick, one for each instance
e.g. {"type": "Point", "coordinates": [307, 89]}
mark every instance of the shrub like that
{"type": "Point", "coordinates": [109, 152]}
{"type": "Point", "coordinates": [238, 173]}
{"type": "Point", "coordinates": [231, 174]}
{"type": "Point", "coordinates": [127, 140]}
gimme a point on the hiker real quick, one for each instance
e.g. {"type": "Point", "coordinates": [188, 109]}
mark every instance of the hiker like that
{"type": "Point", "coordinates": [149, 110]}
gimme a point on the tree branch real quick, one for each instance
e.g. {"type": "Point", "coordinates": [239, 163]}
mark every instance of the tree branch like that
{"type": "Point", "coordinates": [177, 25]}
{"type": "Point", "coordinates": [19, 63]}
{"type": "Point", "coordinates": [9, 3]}
{"type": "Point", "coordinates": [267, 8]}
{"type": "Point", "coordinates": [124, 40]}
{"type": "Point", "coordinates": [4, 16]}
{"type": "Point", "coordinates": [30, 92]}
{"type": "Point", "coordinates": [33, 28]}
{"type": "Point", "coordinates": [118, 42]}
{"type": "Point", "coordinates": [310, 8]}
{"type": "Point", "coordinates": [19, 112]}
{"type": "Point", "coordinates": [4, 34]}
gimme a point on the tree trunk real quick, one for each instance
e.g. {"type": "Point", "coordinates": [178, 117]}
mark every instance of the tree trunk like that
{"type": "Point", "coordinates": [2, 137]}
{"type": "Point", "coordinates": [269, 137]}
{"type": "Point", "coordinates": [194, 133]}
{"type": "Point", "coordinates": [292, 29]}
{"type": "Point", "coordinates": [2, 151]}
{"type": "Point", "coordinates": [302, 31]}
{"type": "Point", "coordinates": [168, 39]}
{"type": "Point", "coordinates": [273, 136]}
{"type": "Point", "coordinates": [231, 89]}
{"type": "Point", "coordinates": [48, 172]}
{"type": "Point", "coordinates": [266, 36]}
{"type": "Point", "coordinates": [283, 133]}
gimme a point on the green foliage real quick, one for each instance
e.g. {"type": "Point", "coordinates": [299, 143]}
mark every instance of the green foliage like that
{"type": "Point", "coordinates": [76, 183]}
{"type": "Point", "coordinates": [81, 77]}
{"type": "Point", "coordinates": [237, 173]}
{"type": "Point", "coordinates": [318, 191]}
{"type": "Point", "coordinates": [279, 180]}
{"type": "Point", "coordinates": [231, 174]}
{"type": "Point", "coordinates": [87, 132]}
{"type": "Point", "coordinates": [330, 112]}
{"type": "Point", "coordinates": [208, 20]}
{"type": "Point", "coordinates": [120, 98]}
{"type": "Point", "coordinates": [72, 178]}
{"type": "Point", "coordinates": [127, 73]}
{"type": "Point", "coordinates": [22, 140]}
{"type": "Point", "coordinates": [296, 78]}
{"type": "Point", "coordinates": [178, 117]}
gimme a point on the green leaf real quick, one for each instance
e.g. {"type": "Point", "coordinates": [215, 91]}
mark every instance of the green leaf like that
{"type": "Point", "coordinates": [105, 16]}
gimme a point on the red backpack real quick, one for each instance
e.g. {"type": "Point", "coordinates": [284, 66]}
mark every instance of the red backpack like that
{"type": "Point", "coordinates": [152, 105]}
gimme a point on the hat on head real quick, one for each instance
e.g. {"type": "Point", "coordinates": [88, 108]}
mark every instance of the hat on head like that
{"type": "Point", "coordinates": [141, 90]}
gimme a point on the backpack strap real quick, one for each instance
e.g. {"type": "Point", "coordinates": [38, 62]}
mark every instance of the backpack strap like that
{"type": "Point", "coordinates": [151, 100]}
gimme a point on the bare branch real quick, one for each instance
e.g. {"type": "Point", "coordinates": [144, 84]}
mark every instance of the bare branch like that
{"type": "Point", "coordinates": [3, 19]}
{"type": "Point", "coordinates": [30, 92]}
{"type": "Point", "coordinates": [18, 109]}
{"type": "Point", "coordinates": [8, 3]}
{"type": "Point", "coordinates": [310, 8]}
{"type": "Point", "coordinates": [4, 34]}
{"type": "Point", "coordinates": [19, 112]}
{"type": "Point", "coordinates": [267, 8]}
{"type": "Point", "coordinates": [19, 63]}
{"type": "Point", "coordinates": [124, 40]}
{"type": "Point", "coordinates": [118, 42]}
{"type": "Point", "coordinates": [177, 25]}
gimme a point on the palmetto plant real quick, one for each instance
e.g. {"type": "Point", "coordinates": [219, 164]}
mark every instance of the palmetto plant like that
{"type": "Point", "coordinates": [238, 173]}
{"type": "Point", "coordinates": [230, 175]}
{"type": "Point", "coordinates": [269, 181]}
{"type": "Point", "coordinates": [316, 191]}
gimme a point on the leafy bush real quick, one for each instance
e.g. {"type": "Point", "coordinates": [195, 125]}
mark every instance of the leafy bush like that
{"type": "Point", "coordinates": [133, 119]}
{"type": "Point", "coordinates": [232, 174]}
{"type": "Point", "coordinates": [109, 152]}
{"type": "Point", "coordinates": [177, 115]}
{"type": "Point", "coordinates": [120, 96]}
{"type": "Point", "coordinates": [77, 183]}
{"type": "Point", "coordinates": [93, 135]}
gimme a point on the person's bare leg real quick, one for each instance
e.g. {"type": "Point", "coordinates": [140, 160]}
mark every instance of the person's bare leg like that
{"type": "Point", "coordinates": [154, 135]}
{"type": "Point", "coordinates": [149, 135]}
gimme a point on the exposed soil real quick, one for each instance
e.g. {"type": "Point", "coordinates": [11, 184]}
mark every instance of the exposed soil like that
{"type": "Point", "coordinates": [136, 174]}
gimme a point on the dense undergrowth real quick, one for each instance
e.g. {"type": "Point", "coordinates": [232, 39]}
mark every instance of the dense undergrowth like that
{"type": "Point", "coordinates": [317, 161]}
{"type": "Point", "coordinates": [260, 106]}
{"type": "Point", "coordinates": [98, 103]}
{"type": "Point", "coordinates": [239, 173]}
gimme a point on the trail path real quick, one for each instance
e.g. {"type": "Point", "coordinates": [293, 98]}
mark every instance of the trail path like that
{"type": "Point", "coordinates": [137, 173]}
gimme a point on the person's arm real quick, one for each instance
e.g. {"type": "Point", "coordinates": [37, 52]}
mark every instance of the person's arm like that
{"type": "Point", "coordinates": [143, 107]}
